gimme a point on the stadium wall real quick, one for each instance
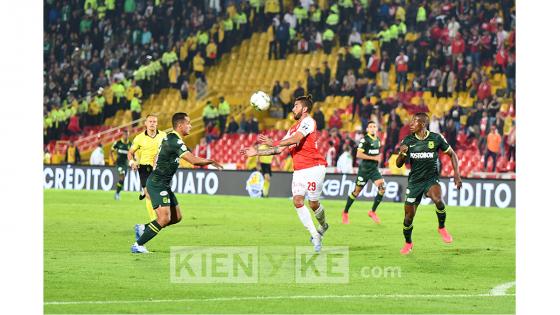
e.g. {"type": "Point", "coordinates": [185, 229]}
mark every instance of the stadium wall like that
{"type": "Point", "coordinates": [475, 192]}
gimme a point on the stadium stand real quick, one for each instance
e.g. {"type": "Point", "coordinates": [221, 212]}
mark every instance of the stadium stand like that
{"type": "Point", "coordinates": [367, 60]}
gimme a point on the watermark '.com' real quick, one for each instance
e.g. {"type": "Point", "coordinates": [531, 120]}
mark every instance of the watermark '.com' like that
{"type": "Point", "coordinates": [252, 264]}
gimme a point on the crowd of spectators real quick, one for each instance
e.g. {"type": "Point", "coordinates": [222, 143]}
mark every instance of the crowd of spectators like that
{"type": "Point", "coordinates": [457, 46]}
{"type": "Point", "coordinates": [104, 55]}
{"type": "Point", "coordinates": [101, 56]}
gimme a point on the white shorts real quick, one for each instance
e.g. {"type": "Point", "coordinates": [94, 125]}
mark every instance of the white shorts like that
{"type": "Point", "coordinates": [309, 181]}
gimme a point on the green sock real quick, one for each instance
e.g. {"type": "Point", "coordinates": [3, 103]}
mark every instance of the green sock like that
{"type": "Point", "coordinates": [120, 186]}
{"type": "Point", "coordinates": [376, 202]}
{"type": "Point", "coordinates": [349, 202]}
{"type": "Point", "coordinates": [441, 215]}
{"type": "Point", "coordinates": [150, 231]}
{"type": "Point", "coordinates": [407, 231]}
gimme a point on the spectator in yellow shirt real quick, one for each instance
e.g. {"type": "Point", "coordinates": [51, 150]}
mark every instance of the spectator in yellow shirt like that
{"type": "Point", "coordinates": [198, 65]}
{"type": "Point", "coordinates": [173, 73]}
{"type": "Point", "coordinates": [211, 52]}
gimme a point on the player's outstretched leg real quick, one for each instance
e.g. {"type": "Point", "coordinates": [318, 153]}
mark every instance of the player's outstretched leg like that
{"type": "Point", "coordinates": [151, 229]}
{"type": "Point", "coordinates": [320, 216]}
{"type": "Point", "coordinates": [380, 192]}
{"type": "Point", "coordinates": [305, 218]}
{"type": "Point", "coordinates": [409, 211]}
{"type": "Point", "coordinates": [435, 194]}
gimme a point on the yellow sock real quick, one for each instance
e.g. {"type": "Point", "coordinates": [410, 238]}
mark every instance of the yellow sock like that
{"type": "Point", "coordinates": [266, 186]}
{"type": "Point", "coordinates": [151, 212]}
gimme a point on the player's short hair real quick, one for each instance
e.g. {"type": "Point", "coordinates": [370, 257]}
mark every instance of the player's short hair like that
{"type": "Point", "coordinates": [371, 122]}
{"type": "Point", "coordinates": [151, 115]}
{"type": "Point", "coordinates": [307, 101]}
{"type": "Point", "coordinates": [178, 118]}
{"type": "Point", "coordinates": [423, 116]}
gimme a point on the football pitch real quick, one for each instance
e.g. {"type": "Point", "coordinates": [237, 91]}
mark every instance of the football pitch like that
{"type": "Point", "coordinates": [88, 267]}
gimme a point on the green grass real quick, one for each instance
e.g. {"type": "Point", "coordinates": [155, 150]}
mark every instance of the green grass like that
{"type": "Point", "coordinates": [87, 238]}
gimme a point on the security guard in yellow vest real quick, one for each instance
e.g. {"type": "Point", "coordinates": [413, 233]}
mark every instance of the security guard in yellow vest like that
{"type": "Point", "coordinates": [228, 33]}
{"type": "Point", "coordinates": [315, 16]}
{"type": "Point", "coordinates": [101, 11]}
{"type": "Point", "coordinates": [301, 17]}
{"type": "Point", "coordinates": [328, 37]}
{"type": "Point", "coordinates": [333, 18]}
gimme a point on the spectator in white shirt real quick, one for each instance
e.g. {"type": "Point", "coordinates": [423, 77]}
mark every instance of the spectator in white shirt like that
{"type": "Point", "coordinates": [97, 156]}
{"type": "Point", "coordinates": [344, 163]}
{"type": "Point", "coordinates": [290, 18]}
{"type": "Point", "coordinates": [453, 26]}
{"type": "Point", "coordinates": [354, 38]}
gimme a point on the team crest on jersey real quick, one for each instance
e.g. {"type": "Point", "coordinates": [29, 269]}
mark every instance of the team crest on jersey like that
{"type": "Point", "coordinates": [431, 144]}
{"type": "Point", "coordinates": [163, 193]}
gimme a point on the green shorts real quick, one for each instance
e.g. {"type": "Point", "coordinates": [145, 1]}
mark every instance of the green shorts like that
{"type": "Point", "coordinates": [161, 195]}
{"type": "Point", "coordinates": [367, 174]}
{"type": "Point", "coordinates": [414, 192]}
{"type": "Point", "coordinates": [121, 169]}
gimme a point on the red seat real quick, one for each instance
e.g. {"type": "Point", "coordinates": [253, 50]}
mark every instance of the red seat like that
{"type": "Point", "coordinates": [511, 166]}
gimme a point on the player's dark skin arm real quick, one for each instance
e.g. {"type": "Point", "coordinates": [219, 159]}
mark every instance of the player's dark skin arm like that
{"type": "Point", "coordinates": [455, 162]}
{"type": "Point", "coordinates": [402, 155]}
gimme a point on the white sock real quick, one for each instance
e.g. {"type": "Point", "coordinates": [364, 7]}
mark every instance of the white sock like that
{"type": "Point", "coordinates": [305, 218]}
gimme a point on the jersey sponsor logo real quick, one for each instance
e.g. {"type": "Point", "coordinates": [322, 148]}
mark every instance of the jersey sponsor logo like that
{"type": "Point", "coordinates": [373, 151]}
{"type": "Point", "coordinates": [410, 199]}
{"type": "Point", "coordinates": [163, 193]}
{"type": "Point", "coordinates": [422, 155]}
{"type": "Point", "coordinates": [431, 144]}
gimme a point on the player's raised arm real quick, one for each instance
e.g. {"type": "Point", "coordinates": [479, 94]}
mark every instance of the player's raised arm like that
{"type": "Point", "coordinates": [252, 151]}
{"type": "Point", "coordinates": [198, 161]}
{"type": "Point", "coordinates": [294, 139]}
{"type": "Point", "coordinates": [402, 155]}
{"type": "Point", "coordinates": [455, 162]}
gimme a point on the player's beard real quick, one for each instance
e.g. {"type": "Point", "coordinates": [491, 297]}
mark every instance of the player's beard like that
{"type": "Point", "coordinates": [297, 116]}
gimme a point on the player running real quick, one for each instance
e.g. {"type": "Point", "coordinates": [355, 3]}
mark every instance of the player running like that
{"type": "Point", "coordinates": [309, 166]}
{"type": "Point", "coordinates": [421, 148]}
{"type": "Point", "coordinates": [121, 147]}
{"type": "Point", "coordinates": [158, 184]}
{"type": "Point", "coordinates": [369, 150]}
{"type": "Point", "coordinates": [146, 144]}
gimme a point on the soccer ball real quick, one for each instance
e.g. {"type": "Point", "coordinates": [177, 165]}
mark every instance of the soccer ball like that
{"type": "Point", "coordinates": [260, 100]}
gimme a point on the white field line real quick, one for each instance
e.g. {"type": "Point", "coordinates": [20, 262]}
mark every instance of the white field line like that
{"type": "Point", "coordinates": [293, 297]}
{"type": "Point", "coordinates": [501, 289]}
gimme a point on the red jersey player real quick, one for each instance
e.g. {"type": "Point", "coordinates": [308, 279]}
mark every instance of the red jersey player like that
{"type": "Point", "coordinates": [309, 166]}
